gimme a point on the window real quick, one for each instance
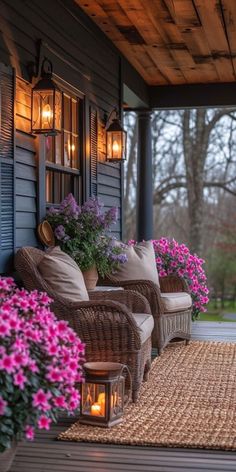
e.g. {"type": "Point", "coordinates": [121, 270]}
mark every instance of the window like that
{"type": "Point", "coordinates": [63, 154]}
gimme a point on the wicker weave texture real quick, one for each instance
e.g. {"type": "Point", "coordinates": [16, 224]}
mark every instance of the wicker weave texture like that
{"type": "Point", "coordinates": [168, 326]}
{"type": "Point", "coordinates": [105, 324]}
{"type": "Point", "coordinates": [189, 401]}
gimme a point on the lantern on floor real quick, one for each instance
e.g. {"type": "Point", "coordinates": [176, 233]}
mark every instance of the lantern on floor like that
{"type": "Point", "coordinates": [103, 393]}
{"type": "Point", "coordinates": [46, 103]}
{"type": "Point", "coordinates": [116, 140]}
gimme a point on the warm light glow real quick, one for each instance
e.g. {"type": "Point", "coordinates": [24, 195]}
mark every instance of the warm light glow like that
{"type": "Point", "coordinates": [96, 409]}
{"type": "Point", "coordinates": [46, 115]}
{"type": "Point", "coordinates": [115, 147]}
{"type": "Point", "coordinates": [101, 401]}
{"type": "Point", "coordinates": [71, 147]}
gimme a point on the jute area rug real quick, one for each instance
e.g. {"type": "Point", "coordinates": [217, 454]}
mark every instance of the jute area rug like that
{"type": "Point", "coordinates": [188, 401]}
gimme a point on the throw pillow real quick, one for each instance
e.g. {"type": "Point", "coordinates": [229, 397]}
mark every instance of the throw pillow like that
{"type": "Point", "coordinates": [63, 275]}
{"type": "Point", "coordinates": [141, 264]}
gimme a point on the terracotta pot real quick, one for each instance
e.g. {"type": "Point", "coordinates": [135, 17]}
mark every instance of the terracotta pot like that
{"type": "Point", "coordinates": [7, 457]}
{"type": "Point", "coordinates": [90, 278]}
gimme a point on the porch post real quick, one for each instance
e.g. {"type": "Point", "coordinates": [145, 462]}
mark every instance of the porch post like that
{"type": "Point", "coordinates": [144, 178]}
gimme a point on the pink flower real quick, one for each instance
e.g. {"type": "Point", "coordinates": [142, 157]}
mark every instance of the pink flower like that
{"type": "Point", "coordinates": [3, 405]}
{"type": "Point", "coordinates": [175, 258]}
{"type": "Point", "coordinates": [54, 375]}
{"type": "Point", "coordinates": [52, 349]}
{"type": "Point", "coordinates": [44, 422]}
{"type": "Point", "coordinates": [21, 359]}
{"type": "Point", "coordinates": [4, 329]}
{"type": "Point", "coordinates": [29, 433]}
{"type": "Point", "coordinates": [20, 380]}
{"type": "Point", "coordinates": [7, 363]}
{"type": "Point", "coordinates": [60, 401]}
{"type": "Point", "coordinates": [62, 326]}
{"type": "Point", "coordinates": [40, 400]}
{"type": "Point", "coordinates": [37, 349]}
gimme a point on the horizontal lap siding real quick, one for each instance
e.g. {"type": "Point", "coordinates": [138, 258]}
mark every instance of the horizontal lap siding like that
{"type": "Point", "coordinates": [109, 190]}
{"type": "Point", "coordinates": [88, 63]}
{"type": "Point", "coordinates": [81, 57]}
{"type": "Point", "coordinates": [25, 169]}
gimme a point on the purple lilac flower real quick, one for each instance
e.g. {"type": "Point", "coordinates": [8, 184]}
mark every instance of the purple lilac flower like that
{"type": "Point", "coordinates": [69, 207]}
{"type": "Point", "coordinates": [93, 205]}
{"type": "Point", "coordinates": [53, 211]}
{"type": "Point", "coordinates": [111, 216]}
{"type": "Point", "coordinates": [60, 232]}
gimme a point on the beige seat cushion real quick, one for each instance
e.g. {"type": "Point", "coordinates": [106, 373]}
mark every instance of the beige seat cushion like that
{"type": "Point", "coordinates": [145, 323]}
{"type": "Point", "coordinates": [141, 264]}
{"type": "Point", "coordinates": [176, 301]}
{"type": "Point", "coordinates": [63, 275]}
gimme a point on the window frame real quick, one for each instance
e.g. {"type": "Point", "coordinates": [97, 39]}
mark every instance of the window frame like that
{"type": "Point", "coordinates": [72, 94]}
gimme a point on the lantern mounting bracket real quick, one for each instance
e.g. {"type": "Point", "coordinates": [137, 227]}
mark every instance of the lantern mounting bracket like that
{"type": "Point", "coordinates": [33, 67]}
{"type": "Point", "coordinates": [109, 118]}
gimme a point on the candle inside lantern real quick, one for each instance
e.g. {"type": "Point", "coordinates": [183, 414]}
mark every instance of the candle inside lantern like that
{"type": "Point", "coordinates": [47, 116]}
{"type": "Point", "coordinates": [96, 409]}
{"type": "Point", "coordinates": [101, 401]}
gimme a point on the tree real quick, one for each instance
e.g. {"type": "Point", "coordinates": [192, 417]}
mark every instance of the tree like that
{"type": "Point", "coordinates": [193, 163]}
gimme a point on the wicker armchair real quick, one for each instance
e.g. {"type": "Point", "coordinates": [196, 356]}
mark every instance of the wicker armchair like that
{"type": "Point", "coordinates": [106, 323]}
{"type": "Point", "coordinates": [167, 325]}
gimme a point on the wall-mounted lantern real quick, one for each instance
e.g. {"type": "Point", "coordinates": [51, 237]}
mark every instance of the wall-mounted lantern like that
{"type": "Point", "coordinates": [116, 139]}
{"type": "Point", "coordinates": [46, 103]}
{"type": "Point", "coordinates": [103, 393]}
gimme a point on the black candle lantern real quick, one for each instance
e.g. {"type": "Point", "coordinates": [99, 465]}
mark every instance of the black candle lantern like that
{"type": "Point", "coordinates": [103, 393]}
{"type": "Point", "coordinates": [46, 103]}
{"type": "Point", "coordinates": [116, 141]}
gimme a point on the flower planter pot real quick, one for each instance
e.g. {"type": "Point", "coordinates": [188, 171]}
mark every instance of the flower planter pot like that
{"type": "Point", "coordinates": [7, 457]}
{"type": "Point", "coordinates": [90, 278]}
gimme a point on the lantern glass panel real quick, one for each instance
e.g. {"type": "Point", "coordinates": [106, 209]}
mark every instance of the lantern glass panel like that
{"type": "Point", "coordinates": [117, 398]}
{"type": "Point", "coordinates": [58, 109]}
{"type": "Point", "coordinates": [46, 109]}
{"type": "Point", "coordinates": [116, 145]}
{"type": "Point", "coordinates": [93, 399]}
{"type": "Point", "coordinates": [36, 121]}
{"type": "Point", "coordinates": [67, 149]}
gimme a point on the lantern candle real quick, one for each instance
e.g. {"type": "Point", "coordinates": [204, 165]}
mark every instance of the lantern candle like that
{"type": "Point", "coordinates": [101, 401]}
{"type": "Point", "coordinates": [96, 409]}
{"type": "Point", "coordinates": [102, 393]}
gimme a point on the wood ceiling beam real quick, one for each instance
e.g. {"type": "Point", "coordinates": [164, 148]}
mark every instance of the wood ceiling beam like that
{"type": "Point", "coordinates": [193, 95]}
{"type": "Point", "coordinates": [171, 41]}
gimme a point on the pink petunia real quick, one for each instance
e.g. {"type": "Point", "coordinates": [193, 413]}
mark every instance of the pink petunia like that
{"type": "Point", "coordinates": [44, 422]}
{"type": "Point", "coordinates": [7, 363]}
{"type": "Point", "coordinates": [4, 329]}
{"type": "Point", "coordinates": [29, 433]}
{"type": "Point", "coordinates": [40, 400]}
{"type": "Point", "coordinates": [60, 401]}
{"type": "Point", "coordinates": [20, 380]}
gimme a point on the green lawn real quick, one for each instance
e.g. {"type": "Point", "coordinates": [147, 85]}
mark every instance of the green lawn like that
{"type": "Point", "coordinates": [216, 314]}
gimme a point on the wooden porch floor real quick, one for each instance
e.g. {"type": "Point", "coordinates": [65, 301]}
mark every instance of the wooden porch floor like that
{"type": "Point", "coordinates": [48, 455]}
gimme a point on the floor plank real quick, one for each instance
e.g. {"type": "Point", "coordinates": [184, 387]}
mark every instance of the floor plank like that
{"type": "Point", "coordinates": [47, 454]}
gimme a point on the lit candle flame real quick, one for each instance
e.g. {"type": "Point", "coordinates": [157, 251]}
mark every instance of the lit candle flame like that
{"type": "Point", "coordinates": [115, 147]}
{"type": "Point", "coordinates": [46, 114]}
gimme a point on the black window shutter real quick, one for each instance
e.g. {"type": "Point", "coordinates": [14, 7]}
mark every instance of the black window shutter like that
{"type": "Point", "coordinates": [7, 80]}
{"type": "Point", "coordinates": [93, 151]}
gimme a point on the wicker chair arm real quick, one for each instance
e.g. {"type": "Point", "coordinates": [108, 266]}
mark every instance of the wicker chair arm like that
{"type": "Point", "coordinates": [149, 290]}
{"type": "Point", "coordinates": [173, 283]}
{"type": "Point", "coordinates": [133, 300]}
{"type": "Point", "coordinates": [104, 326]}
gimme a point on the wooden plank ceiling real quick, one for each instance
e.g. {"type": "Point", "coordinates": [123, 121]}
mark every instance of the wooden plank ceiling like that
{"type": "Point", "coordinates": [171, 41]}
